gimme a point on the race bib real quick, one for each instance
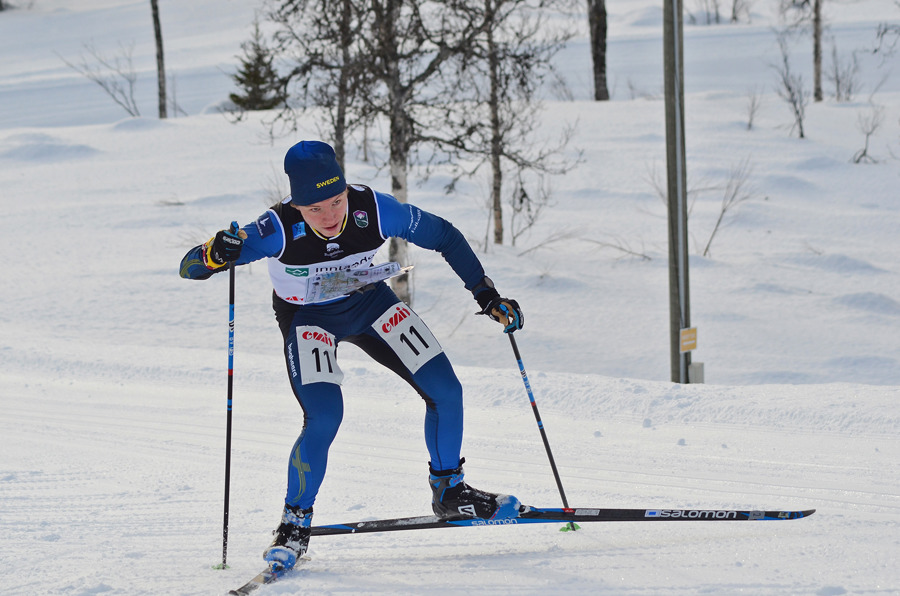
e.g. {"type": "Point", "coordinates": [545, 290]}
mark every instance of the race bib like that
{"type": "Point", "coordinates": [317, 356]}
{"type": "Point", "coordinates": [408, 336]}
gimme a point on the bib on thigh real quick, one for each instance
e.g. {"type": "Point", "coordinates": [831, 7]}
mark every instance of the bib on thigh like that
{"type": "Point", "coordinates": [402, 329]}
{"type": "Point", "coordinates": [317, 356]}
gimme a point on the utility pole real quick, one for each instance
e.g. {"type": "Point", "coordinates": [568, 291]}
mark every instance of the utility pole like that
{"type": "Point", "coordinates": [679, 294]}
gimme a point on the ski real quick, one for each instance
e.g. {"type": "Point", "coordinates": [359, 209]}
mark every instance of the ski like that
{"type": "Point", "coordinates": [267, 576]}
{"type": "Point", "coordinates": [527, 515]}
{"type": "Point", "coordinates": [536, 515]}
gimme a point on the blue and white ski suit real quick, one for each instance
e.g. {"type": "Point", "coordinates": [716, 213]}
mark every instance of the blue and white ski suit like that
{"type": "Point", "coordinates": [375, 320]}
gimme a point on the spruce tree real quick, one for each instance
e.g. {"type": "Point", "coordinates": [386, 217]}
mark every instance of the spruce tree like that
{"type": "Point", "coordinates": [260, 87]}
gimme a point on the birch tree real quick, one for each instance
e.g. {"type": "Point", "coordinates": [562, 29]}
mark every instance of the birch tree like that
{"type": "Point", "coordinates": [410, 43]}
{"type": "Point", "coordinates": [597, 25]}
{"type": "Point", "coordinates": [450, 80]}
{"type": "Point", "coordinates": [319, 42]}
{"type": "Point", "coordinates": [808, 12]}
{"type": "Point", "coordinates": [379, 58]}
{"type": "Point", "coordinates": [160, 62]}
{"type": "Point", "coordinates": [502, 74]}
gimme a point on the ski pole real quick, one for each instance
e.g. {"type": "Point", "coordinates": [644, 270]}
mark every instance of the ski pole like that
{"type": "Point", "coordinates": [228, 416]}
{"type": "Point", "coordinates": [537, 416]}
{"type": "Point", "coordinates": [235, 229]}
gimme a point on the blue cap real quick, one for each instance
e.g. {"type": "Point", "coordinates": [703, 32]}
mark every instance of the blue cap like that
{"type": "Point", "coordinates": [313, 170]}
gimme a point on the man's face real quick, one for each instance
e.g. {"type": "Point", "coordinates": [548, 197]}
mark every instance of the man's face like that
{"type": "Point", "coordinates": [326, 217]}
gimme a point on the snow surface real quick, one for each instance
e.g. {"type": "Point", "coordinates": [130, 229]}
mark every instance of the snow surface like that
{"type": "Point", "coordinates": [113, 370]}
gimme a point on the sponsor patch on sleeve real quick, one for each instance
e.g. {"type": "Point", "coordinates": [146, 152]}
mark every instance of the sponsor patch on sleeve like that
{"type": "Point", "coordinates": [265, 226]}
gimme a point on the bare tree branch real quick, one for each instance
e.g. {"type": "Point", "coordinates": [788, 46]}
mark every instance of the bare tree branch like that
{"type": "Point", "coordinates": [736, 192]}
{"type": "Point", "coordinates": [868, 124]}
{"type": "Point", "coordinates": [115, 76]}
{"type": "Point", "coordinates": [754, 103]}
{"type": "Point", "coordinates": [791, 88]}
{"type": "Point", "coordinates": [844, 75]}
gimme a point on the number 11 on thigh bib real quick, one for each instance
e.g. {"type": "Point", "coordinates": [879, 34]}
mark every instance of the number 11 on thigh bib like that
{"type": "Point", "coordinates": [408, 336]}
{"type": "Point", "coordinates": [316, 350]}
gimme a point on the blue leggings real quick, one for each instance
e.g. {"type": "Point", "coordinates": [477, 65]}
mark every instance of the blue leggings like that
{"type": "Point", "coordinates": [393, 335]}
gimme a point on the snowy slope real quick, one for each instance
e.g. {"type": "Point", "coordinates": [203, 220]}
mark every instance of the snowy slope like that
{"type": "Point", "coordinates": [112, 369]}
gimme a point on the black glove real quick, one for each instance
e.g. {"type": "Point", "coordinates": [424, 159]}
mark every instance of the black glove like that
{"type": "Point", "coordinates": [225, 246]}
{"type": "Point", "coordinates": [502, 310]}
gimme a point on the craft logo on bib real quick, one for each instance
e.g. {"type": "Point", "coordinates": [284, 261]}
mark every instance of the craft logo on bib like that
{"type": "Point", "coordinates": [361, 218]}
{"type": "Point", "coordinates": [325, 338]}
{"type": "Point", "coordinates": [333, 249]}
{"type": "Point", "coordinates": [395, 318]}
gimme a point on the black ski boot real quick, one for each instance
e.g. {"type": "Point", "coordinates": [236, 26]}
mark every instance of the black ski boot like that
{"type": "Point", "coordinates": [291, 538]}
{"type": "Point", "coordinates": [453, 498]}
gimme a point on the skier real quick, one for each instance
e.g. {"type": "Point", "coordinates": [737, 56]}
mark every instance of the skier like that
{"type": "Point", "coordinates": [326, 225]}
